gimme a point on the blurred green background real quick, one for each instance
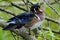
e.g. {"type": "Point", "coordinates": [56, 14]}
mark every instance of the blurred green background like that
{"type": "Point", "coordinates": [43, 35]}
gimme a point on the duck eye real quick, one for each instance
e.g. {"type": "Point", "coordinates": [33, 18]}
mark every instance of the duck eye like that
{"type": "Point", "coordinates": [36, 9]}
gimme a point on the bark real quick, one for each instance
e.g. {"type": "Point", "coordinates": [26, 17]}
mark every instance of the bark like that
{"type": "Point", "coordinates": [21, 32]}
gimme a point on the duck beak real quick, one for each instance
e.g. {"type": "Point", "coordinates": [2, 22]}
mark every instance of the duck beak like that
{"type": "Point", "coordinates": [39, 10]}
{"type": "Point", "coordinates": [40, 14]}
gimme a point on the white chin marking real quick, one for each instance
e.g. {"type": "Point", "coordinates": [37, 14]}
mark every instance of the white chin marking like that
{"type": "Point", "coordinates": [38, 17]}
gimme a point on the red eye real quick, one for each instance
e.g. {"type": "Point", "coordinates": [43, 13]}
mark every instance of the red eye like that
{"type": "Point", "coordinates": [36, 8]}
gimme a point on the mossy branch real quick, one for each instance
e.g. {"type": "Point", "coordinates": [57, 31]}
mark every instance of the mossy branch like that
{"type": "Point", "coordinates": [20, 32]}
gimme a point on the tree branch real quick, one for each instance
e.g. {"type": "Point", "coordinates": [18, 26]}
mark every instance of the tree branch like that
{"type": "Point", "coordinates": [46, 18]}
{"type": "Point", "coordinates": [54, 31]}
{"type": "Point", "coordinates": [56, 1]}
{"type": "Point", "coordinates": [17, 3]}
{"type": "Point", "coordinates": [18, 7]}
{"type": "Point", "coordinates": [51, 7]}
{"type": "Point", "coordinates": [7, 11]}
{"type": "Point", "coordinates": [22, 4]}
{"type": "Point", "coordinates": [52, 20]}
{"type": "Point", "coordinates": [24, 34]}
{"type": "Point", "coordinates": [3, 4]}
{"type": "Point", "coordinates": [21, 32]}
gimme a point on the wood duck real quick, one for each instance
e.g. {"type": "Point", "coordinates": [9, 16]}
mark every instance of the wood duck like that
{"type": "Point", "coordinates": [28, 19]}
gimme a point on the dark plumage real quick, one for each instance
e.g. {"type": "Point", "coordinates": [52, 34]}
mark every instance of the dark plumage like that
{"type": "Point", "coordinates": [25, 19]}
{"type": "Point", "coordinates": [19, 20]}
{"type": "Point", "coordinates": [34, 6]}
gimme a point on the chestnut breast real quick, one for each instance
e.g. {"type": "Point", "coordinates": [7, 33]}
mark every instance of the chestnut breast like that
{"type": "Point", "coordinates": [34, 20]}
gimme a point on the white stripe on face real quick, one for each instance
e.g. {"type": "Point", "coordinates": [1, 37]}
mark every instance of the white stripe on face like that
{"type": "Point", "coordinates": [37, 17]}
{"type": "Point", "coordinates": [40, 14]}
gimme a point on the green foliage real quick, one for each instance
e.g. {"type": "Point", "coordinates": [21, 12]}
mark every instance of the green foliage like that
{"type": "Point", "coordinates": [43, 35]}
